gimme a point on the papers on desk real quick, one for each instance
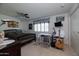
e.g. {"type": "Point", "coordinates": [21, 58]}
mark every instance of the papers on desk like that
{"type": "Point", "coordinates": [5, 38]}
{"type": "Point", "coordinates": [6, 42]}
{"type": "Point", "coordinates": [3, 46]}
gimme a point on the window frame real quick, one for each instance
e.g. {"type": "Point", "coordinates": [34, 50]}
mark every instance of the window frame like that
{"type": "Point", "coordinates": [41, 27]}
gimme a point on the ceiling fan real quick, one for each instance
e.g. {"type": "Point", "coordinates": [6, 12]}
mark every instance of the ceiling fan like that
{"type": "Point", "coordinates": [23, 14]}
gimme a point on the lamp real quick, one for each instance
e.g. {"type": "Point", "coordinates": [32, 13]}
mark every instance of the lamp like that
{"type": "Point", "coordinates": [1, 32]}
{"type": "Point", "coordinates": [1, 36]}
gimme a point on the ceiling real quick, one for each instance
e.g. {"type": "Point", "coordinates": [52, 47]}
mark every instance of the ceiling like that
{"type": "Point", "coordinates": [35, 10]}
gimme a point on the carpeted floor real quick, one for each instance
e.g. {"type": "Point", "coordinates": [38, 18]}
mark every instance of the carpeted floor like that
{"type": "Point", "coordinates": [34, 49]}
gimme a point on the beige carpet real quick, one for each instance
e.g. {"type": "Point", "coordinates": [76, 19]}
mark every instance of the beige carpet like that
{"type": "Point", "coordinates": [34, 49]}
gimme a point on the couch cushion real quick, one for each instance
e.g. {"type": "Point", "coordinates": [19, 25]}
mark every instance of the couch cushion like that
{"type": "Point", "coordinates": [12, 35]}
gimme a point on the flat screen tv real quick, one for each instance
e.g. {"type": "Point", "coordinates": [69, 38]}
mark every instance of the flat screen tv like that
{"type": "Point", "coordinates": [58, 24]}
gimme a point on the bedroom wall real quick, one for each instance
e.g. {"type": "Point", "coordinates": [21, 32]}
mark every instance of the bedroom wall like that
{"type": "Point", "coordinates": [51, 24]}
{"type": "Point", "coordinates": [22, 23]}
{"type": "Point", "coordinates": [65, 26]}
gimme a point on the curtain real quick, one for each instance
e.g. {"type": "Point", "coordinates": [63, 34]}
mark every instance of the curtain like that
{"type": "Point", "coordinates": [42, 20]}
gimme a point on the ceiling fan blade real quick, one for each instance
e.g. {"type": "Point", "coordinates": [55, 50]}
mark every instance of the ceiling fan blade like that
{"type": "Point", "coordinates": [27, 16]}
{"type": "Point", "coordinates": [23, 15]}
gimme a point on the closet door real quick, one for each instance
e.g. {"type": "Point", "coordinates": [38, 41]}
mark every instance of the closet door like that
{"type": "Point", "coordinates": [75, 31]}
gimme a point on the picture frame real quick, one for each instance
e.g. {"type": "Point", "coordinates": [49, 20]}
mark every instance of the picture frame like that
{"type": "Point", "coordinates": [13, 24]}
{"type": "Point", "coordinates": [30, 26]}
{"type": "Point", "coordinates": [59, 18]}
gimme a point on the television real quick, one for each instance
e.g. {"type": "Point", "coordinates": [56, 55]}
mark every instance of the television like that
{"type": "Point", "coordinates": [58, 24]}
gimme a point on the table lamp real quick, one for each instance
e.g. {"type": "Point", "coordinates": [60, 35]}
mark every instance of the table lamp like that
{"type": "Point", "coordinates": [1, 36]}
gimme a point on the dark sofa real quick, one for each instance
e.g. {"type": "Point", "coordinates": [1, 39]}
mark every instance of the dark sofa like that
{"type": "Point", "coordinates": [19, 36]}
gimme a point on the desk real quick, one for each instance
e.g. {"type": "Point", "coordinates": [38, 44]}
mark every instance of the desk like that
{"type": "Point", "coordinates": [13, 49]}
{"type": "Point", "coordinates": [45, 39]}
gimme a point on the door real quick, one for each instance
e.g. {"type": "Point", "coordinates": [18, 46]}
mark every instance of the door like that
{"type": "Point", "coordinates": [75, 31]}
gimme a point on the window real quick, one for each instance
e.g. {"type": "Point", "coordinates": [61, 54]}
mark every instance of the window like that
{"type": "Point", "coordinates": [46, 27]}
{"type": "Point", "coordinates": [41, 27]}
{"type": "Point", "coordinates": [35, 27]}
{"type": "Point", "coordinates": [38, 26]}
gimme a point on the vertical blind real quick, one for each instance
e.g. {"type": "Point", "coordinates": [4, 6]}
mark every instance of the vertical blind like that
{"type": "Point", "coordinates": [41, 25]}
